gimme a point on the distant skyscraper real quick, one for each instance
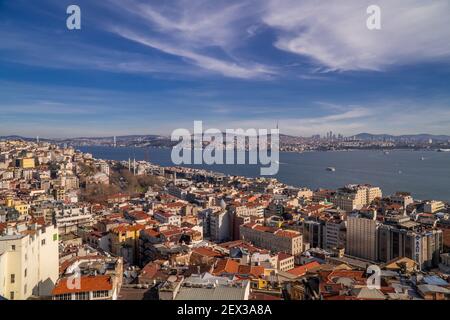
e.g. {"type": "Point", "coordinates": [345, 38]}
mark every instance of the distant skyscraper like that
{"type": "Point", "coordinates": [115, 142]}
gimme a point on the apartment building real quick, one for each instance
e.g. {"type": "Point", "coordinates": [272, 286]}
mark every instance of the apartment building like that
{"type": "Point", "coordinates": [354, 197]}
{"type": "Point", "coordinates": [433, 206]}
{"type": "Point", "coordinates": [90, 278]}
{"type": "Point", "coordinates": [334, 234]}
{"type": "Point", "coordinates": [29, 260]}
{"type": "Point", "coordinates": [362, 238]}
{"type": "Point", "coordinates": [167, 218]}
{"type": "Point", "coordinates": [69, 217]}
{"type": "Point", "coordinates": [273, 239]}
{"type": "Point", "coordinates": [220, 226]}
{"type": "Point", "coordinates": [402, 198]}
{"type": "Point", "coordinates": [124, 242]}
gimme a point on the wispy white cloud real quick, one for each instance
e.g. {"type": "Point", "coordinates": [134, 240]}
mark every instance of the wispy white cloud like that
{"type": "Point", "coordinates": [216, 36]}
{"type": "Point", "coordinates": [334, 33]}
{"type": "Point", "coordinates": [230, 69]}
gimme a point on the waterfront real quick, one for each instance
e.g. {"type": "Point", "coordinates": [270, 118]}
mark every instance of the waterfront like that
{"type": "Point", "coordinates": [397, 171]}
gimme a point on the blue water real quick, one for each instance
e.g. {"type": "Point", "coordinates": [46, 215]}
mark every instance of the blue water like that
{"type": "Point", "coordinates": [399, 170]}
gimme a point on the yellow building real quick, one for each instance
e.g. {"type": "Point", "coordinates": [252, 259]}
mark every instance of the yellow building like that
{"type": "Point", "coordinates": [25, 163]}
{"type": "Point", "coordinates": [125, 242]}
{"type": "Point", "coordinates": [21, 207]}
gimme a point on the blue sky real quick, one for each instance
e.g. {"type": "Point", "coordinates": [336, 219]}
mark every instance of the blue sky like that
{"type": "Point", "coordinates": [142, 67]}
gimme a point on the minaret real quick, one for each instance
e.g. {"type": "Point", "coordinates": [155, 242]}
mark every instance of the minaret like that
{"type": "Point", "coordinates": [134, 166]}
{"type": "Point", "coordinates": [129, 164]}
{"type": "Point", "coordinates": [37, 139]}
{"type": "Point", "coordinates": [115, 142]}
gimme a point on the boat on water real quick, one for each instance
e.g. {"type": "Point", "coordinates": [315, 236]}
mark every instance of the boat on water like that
{"type": "Point", "coordinates": [332, 169]}
{"type": "Point", "coordinates": [444, 150]}
{"type": "Point", "coordinates": [423, 158]}
{"type": "Point", "coordinates": [386, 152]}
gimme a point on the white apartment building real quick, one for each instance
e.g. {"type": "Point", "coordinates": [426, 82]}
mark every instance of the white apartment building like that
{"type": "Point", "coordinates": [273, 239]}
{"type": "Point", "coordinates": [402, 198]}
{"type": "Point", "coordinates": [354, 197]}
{"type": "Point", "coordinates": [334, 236]}
{"type": "Point", "coordinates": [69, 217]}
{"type": "Point", "coordinates": [433, 206]}
{"type": "Point", "coordinates": [220, 225]}
{"type": "Point", "coordinates": [167, 218]}
{"type": "Point", "coordinates": [29, 261]}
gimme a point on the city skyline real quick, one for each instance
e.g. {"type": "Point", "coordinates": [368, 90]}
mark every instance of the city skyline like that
{"type": "Point", "coordinates": [142, 68]}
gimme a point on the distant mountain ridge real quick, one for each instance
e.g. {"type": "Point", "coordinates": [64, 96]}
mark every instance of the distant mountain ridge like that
{"type": "Point", "coordinates": [162, 140]}
{"type": "Point", "coordinates": [418, 137]}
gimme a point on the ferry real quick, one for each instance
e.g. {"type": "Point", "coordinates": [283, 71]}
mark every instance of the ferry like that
{"type": "Point", "coordinates": [332, 169]}
{"type": "Point", "coordinates": [444, 150]}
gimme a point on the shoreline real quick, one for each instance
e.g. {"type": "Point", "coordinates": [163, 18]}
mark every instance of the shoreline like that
{"type": "Point", "coordinates": [281, 179]}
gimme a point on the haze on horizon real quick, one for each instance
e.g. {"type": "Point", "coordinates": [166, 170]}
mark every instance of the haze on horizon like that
{"type": "Point", "coordinates": [137, 67]}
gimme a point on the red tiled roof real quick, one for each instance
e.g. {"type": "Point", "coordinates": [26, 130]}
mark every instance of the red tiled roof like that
{"type": "Point", "coordinates": [283, 256]}
{"type": "Point", "coordinates": [206, 252]}
{"type": "Point", "coordinates": [255, 271]}
{"type": "Point", "coordinates": [301, 270]}
{"type": "Point", "coordinates": [226, 266]}
{"type": "Point", "coordinates": [287, 233]}
{"type": "Point", "coordinates": [150, 269]}
{"type": "Point", "coordinates": [87, 284]}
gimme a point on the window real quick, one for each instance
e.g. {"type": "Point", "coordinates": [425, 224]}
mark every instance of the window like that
{"type": "Point", "coordinates": [25, 273]}
{"type": "Point", "coordinates": [65, 296]}
{"type": "Point", "coordinates": [43, 242]}
{"type": "Point", "coordinates": [13, 278]}
{"type": "Point", "coordinates": [101, 294]}
{"type": "Point", "coordinates": [13, 247]}
{"type": "Point", "coordinates": [25, 289]}
{"type": "Point", "coordinates": [82, 296]}
{"type": "Point", "coordinates": [11, 295]}
{"type": "Point", "coordinates": [55, 237]}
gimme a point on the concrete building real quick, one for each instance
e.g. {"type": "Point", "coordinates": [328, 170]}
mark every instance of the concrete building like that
{"type": "Point", "coordinates": [334, 234]}
{"type": "Point", "coordinates": [402, 198]}
{"type": "Point", "coordinates": [424, 246]}
{"type": "Point", "coordinates": [90, 278]}
{"type": "Point", "coordinates": [69, 217]}
{"type": "Point", "coordinates": [273, 239]}
{"type": "Point", "coordinates": [354, 197]}
{"type": "Point", "coordinates": [29, 261]}
{"type": "Point", "coordinates": [167, 218]}
{"type": "Point", "coordinates": [362, 236]}
{"type": "Point", "coordinates": [220, 226]}
{"type": "Point", "coordinates": [433, 206]}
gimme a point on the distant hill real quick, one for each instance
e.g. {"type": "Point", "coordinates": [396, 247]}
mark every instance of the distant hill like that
{"type": "Point", "coordinates": [416, 137]}
{"type": "Point", "coordinates": [164, 141]}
